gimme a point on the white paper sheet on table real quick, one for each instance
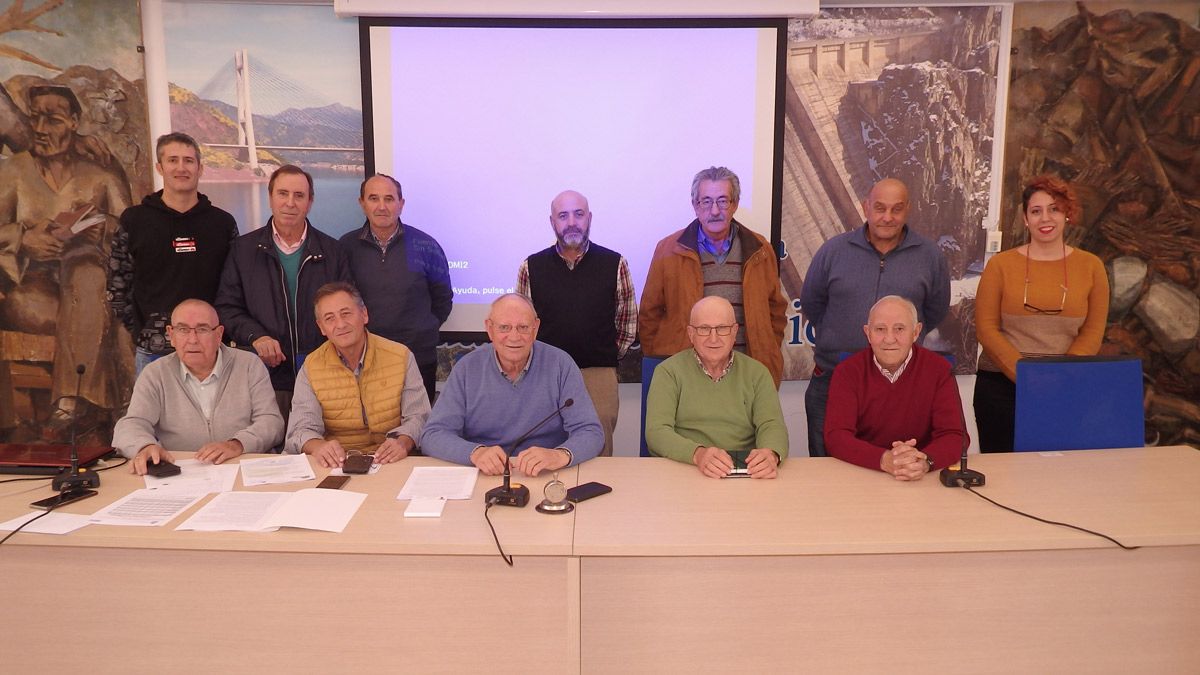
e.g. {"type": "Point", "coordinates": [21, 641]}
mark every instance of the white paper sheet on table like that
{"type": "Point", "coordinates": [311, 509]}
{"type": "Point", "coordinates": [425, 507]}
{"type": "Point", "coordinates": [145, 507]}
{"type": "Point", "coordinates": [444, 482]}
{"type": "Point", "coordinates": [52, 523]}
{"type": "Point", "coordinates": [199, 478]}
{"type": "Point", "coordinates": [272, 470]}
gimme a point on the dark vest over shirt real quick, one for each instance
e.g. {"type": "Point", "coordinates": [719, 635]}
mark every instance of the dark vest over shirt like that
{"type": "Point", "coordinates": [577, 306]}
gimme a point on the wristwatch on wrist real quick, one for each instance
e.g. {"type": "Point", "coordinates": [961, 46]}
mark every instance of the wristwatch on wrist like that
{"type": "Point", "coordinates": [928, 463]}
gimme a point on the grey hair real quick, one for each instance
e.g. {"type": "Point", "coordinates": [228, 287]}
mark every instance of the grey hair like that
{"type": "Point", "coordinates": [715, 174]}
{"type": "Point", "coordinates": [912, 309]}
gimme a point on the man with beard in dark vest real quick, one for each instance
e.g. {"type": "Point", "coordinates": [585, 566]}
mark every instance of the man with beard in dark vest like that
{"type": "Point", "coordinates": [584, 296]}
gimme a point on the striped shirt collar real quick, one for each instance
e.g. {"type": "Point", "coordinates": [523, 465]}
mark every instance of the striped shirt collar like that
{"type": "Point", "coordinates": [892, 377]}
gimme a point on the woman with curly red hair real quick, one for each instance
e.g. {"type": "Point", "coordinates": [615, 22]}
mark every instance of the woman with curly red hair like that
{"type": "Point", "coordinates": [1043, 298]}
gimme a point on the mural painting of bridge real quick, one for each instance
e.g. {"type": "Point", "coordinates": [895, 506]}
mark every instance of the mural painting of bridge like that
{"type": "Point", "coordinates": [243, 85]}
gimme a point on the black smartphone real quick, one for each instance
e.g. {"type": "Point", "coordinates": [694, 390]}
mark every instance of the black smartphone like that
{"type": "Point", "coordinates": [739, 459]}
{"type": "Point", "coordinates": [586, 491]}
{"type": "Point", "coordinates": [356, 463]}
{"type": "Point", "coordinates": [333, 482]}
{"type": "Point", "coordinates": [62, 499]}
{"type": "Point", "coordinates": [163, 469]}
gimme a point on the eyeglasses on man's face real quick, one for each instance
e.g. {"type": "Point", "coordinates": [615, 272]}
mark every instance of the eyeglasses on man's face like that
{"type": "Point", "coordinates": [506, 328]}
{"type": "Point", "coordinates": [705, 331]}
{"type": "Point", "coordinates": [185, 330]}
{"type": "Point", "coordinates": [707, 203]}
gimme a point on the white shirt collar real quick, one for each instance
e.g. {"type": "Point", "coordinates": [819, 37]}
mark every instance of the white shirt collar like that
{"type": "Point", "coordinates": [287, 248]}
{"type": "Point", "coordinates": [213, 376]}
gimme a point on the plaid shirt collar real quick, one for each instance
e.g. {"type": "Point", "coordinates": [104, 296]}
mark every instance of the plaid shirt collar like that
{"type": "Point", "coordinates": [724, 371]}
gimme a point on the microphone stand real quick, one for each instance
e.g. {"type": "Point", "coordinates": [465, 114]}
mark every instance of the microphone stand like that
{"type": "Point", "coordinates": [515, 494]}
{"type": "Point", "coordinates": [72, 481]}
{"type": "Point", "coordinates": [962, 476]}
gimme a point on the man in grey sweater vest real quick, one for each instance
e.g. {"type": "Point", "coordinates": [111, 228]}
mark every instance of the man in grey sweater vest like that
{"type": "Point", "coordinates": [205, 397]}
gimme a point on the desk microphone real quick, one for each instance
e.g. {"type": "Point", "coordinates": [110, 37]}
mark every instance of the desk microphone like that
{"type": "Point", "coordinates": [515, 494]}
{"type": "Point", "coordinates": [75, 479]}
{"type": "Point", "coordinates": [962, 476]}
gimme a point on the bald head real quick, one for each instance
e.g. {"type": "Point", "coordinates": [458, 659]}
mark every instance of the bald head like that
{"type": "Point", "coordinates": [711, 310]}
{"type": "Point", "coordinates": [513, 302]}
{"type": "Point", "coordinates": [565, 198]}
{"type": "Point", "coordinates": [893, 301]}
{"type": "Point", "coordinates": [195, 309]}
{"type": "Point", "coordinates": [892, 188]}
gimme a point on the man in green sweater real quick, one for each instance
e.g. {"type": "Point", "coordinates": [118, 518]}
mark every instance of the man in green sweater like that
{"type": "Point", "coordinates": [713, 407]}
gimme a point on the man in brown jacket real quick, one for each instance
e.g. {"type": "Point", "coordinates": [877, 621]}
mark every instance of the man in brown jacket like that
{"type": "Point", "coordinates": [714, 255]}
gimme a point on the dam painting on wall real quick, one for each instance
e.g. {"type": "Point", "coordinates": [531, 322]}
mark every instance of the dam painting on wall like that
{"type": "Point", "coordinates": [907, 93]}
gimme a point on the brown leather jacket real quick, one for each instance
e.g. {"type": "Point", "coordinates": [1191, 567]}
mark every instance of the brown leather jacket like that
{"type": "Point", "coordinates": [675, 283]}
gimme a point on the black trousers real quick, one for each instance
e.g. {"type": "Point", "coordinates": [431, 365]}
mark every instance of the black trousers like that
{"type": "Point", "coordinates": [995, 411]}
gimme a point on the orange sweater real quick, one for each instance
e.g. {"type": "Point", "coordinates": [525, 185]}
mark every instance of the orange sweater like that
{"type": "Point", "coordinates": [1007, 331]}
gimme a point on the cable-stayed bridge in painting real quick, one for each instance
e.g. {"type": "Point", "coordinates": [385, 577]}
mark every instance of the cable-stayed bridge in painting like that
{"type": "Point", "coordinates": [255, 85]}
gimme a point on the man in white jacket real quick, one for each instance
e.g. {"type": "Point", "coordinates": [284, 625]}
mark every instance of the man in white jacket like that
{"type": "Point", "coordinates": [206, 397]}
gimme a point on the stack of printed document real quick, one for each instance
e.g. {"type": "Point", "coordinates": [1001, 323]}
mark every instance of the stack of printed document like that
{"type": "Point", "coordinates": [146, 508]}
{"type": "Point", "coordinates": [310, 509]}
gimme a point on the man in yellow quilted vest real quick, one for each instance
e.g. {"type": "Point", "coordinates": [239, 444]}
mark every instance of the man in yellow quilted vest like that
{"type": "Point", "coordinates": [357, 392]}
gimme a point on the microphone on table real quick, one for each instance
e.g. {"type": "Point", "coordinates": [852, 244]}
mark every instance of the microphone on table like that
{"type": "Point", "coordinates": [962, 476]}
{"type": "Point", "coordinates": [75, 479]}
{"type": "Point", "coordinates": [515, 494]}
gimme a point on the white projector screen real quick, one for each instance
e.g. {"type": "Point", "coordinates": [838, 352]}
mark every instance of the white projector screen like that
{"type": "Point", "coordinates": [484, 124]}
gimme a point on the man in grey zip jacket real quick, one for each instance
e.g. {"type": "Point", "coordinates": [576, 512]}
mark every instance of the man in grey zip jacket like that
{"type": "Point", "coordinates": [850, 272]}
{"type": "Point", "coordinates": [205, 397]}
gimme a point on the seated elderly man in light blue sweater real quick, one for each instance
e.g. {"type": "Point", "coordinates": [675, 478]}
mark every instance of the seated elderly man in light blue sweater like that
{"type": "Point", "coordinates": [206, 397]}
{"type": "Point", "coordinates": [498, 392]}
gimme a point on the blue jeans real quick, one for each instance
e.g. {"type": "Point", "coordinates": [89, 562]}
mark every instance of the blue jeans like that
{"type": "Point", "coordinates": [143, 358]}
{"type": "Point", "coordinates": [815, 399]}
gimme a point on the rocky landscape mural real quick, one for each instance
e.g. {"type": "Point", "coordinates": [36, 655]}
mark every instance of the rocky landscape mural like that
{"type": "Point", "coordinates": [1109, 98]}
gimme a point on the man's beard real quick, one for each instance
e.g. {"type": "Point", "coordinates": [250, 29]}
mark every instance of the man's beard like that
{"type": "Point", "coordinates": [573, 238]}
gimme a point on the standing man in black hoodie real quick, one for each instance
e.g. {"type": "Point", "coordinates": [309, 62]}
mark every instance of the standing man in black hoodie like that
{"type": "Point", "coordinates": [169, 248]}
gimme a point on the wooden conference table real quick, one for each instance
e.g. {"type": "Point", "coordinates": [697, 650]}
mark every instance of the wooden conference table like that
{"type": "Point", "coordinates": [829, 568]}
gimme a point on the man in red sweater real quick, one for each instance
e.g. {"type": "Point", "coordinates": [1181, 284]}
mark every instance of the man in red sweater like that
{"type": "Point", "coordinates": [894, 407]}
